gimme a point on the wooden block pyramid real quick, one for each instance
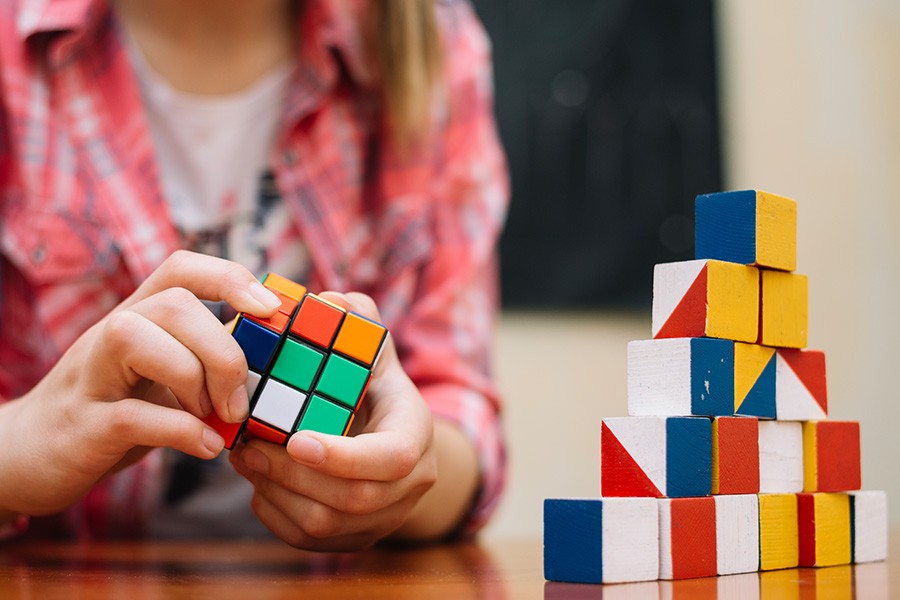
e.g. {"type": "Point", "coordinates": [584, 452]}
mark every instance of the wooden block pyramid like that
{"type": "Point", "coordinates": [727, 462]}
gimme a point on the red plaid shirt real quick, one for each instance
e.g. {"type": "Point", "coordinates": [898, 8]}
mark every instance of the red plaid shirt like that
{"type": "Point", "coordinates": [83, 220]}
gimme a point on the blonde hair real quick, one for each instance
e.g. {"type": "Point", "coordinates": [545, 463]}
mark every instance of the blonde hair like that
{"type": "Point", "coordinates": [408, 59]}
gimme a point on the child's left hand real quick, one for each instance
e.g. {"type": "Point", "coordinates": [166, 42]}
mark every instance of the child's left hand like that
{"type": "Point", "coordinates": [337, 493]}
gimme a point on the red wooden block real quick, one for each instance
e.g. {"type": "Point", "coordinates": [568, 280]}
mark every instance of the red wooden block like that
{"type": "Point", "coordinates": [832, 456]}
{"type": "Point", "coordinates": [317, 321]}
{"type": "Point", "coordinates": [228, 431]}
{"type": "Point", "coordinates": [687, 537]}
{"type": "Point", "coordinates": [735, 466]}
{"type": "Point", "coordinates": [259, 430]}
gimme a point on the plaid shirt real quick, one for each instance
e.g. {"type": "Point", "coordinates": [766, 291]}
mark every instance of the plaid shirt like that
{"type": "Point", "coordinates": [83, 220]}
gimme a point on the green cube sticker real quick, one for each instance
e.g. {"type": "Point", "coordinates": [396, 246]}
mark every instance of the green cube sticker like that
{"type": "Point", "coordinates": [297, 364]}
{"type": "Point", "coordinates": [342, 380]}
{"type": "Point", "coordinates": [324, 416]}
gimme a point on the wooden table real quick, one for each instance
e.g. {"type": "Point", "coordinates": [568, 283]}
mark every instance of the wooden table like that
{"type": "Point", "coordinates": [266, 570]}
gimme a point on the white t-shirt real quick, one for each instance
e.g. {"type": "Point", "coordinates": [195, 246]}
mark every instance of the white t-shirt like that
{"type": "Point", "coordinates": [213, 158]}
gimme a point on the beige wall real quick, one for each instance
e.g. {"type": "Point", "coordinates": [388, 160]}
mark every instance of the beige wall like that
{"type": "Point", "coordinates": [811, 96]}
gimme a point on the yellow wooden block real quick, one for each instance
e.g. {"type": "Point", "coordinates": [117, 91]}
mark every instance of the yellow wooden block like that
{"type": "Point", "coordinates": [784, 309]}
{"type": "Point", "coordinates": [732, 301]}
{"type": "Point", "coordinates": [810, 464]}
{"type": "Point", "coordinates": [284, 285]}
{"type": "Point", "coordinates": [778, 542]}
{"type": "Point", "coordinates": [823, 529]}
{"type": "Point", "coordinates": [776, 231]}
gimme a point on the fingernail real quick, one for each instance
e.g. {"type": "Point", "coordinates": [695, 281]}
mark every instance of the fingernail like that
{"type": "Point", "coordinates": [206, 406]}
{"type": "Point", "coordinates": [213, 441]}
{"type": "Point", "coordinates": [255, 460]}
{"type": "Point", "coordinates": [238, 404]}
{"type": "Point", "coordinates": [264, 296]}
{"type": "Point", "coordinates": [307, 450]}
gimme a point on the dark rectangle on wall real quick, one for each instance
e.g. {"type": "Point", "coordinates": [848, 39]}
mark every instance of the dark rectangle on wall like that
{"type": "Point", "coordinates": [608, 113]}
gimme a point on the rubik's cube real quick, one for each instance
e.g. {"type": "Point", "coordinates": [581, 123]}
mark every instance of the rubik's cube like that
{"type": "Point", "coordinates": [309, 366]}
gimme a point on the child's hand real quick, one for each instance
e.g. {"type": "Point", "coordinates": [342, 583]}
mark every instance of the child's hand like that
{"type": "Point", "coordinates": [121, 387]}
{"type": "Point", "coordinates": [345, 493]}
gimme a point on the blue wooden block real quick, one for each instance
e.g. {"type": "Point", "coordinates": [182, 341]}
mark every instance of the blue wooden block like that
{"type": "Point", "coordinates": [712, 377]}
{"type": "Point", "coordinates": [257, 342]}
{"type": "Point", "coordinates": [688, 457]}
{"type": "Point", "coordinates": [601, 540]}
{"type": "Point", "coordinates": [749, 227]}
{"type": "Point", "coordinates": [573, 540]}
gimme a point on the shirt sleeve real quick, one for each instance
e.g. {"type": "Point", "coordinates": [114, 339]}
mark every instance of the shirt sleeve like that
{"type": "Point", "coordinates": [447, 340]}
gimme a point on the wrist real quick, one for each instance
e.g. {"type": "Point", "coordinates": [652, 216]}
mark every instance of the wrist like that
{"type": "Point", "coordinates": [444, 507]}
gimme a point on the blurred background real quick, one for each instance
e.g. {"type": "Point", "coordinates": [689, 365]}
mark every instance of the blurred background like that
{"type": "Point", "coordinates": [615, 114]}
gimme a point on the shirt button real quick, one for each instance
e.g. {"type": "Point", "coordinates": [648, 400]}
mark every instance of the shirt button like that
{"type": "Point", "coordinates": [290, 157]}
{"type": "Point", "coordinates": [39, 255]}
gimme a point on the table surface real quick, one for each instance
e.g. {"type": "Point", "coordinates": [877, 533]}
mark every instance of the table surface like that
{"type": "Point", "coordinates": [263, 570]}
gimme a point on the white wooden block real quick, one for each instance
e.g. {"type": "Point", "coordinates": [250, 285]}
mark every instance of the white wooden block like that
{"type": "Point", "coordinates": [737, 534]}
{"type": "Point", "coordinates": [870, 525]}
{"type": "Point", "coordinates": [780, 457]}
{"type": "Point", "coordinates": [680, 377]}
{"type": "Point", "coordinates": [279, 405]}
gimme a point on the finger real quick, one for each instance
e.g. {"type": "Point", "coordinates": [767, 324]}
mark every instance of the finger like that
{"type": "Point", "coordinates": [294, 534]}
{"type": "Point", "coordinates": [133, 347]}
{"type": "Point", "coordinates": [224, 370]}
{"type": "Point", "coordinates": [352, 496]}
{"type": "Point", "coordinates": [209, 278]}
{"type": "Point", "coordinates": [119, 426]}
{"type": "Point", "coordinates": [379, 456]}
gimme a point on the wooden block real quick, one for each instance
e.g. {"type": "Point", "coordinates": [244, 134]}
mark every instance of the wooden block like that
{"type": "Point", "coordinates": [601, 540]}
{"type": "Point", "coordinates": [801, 393]}
{"type": "Point", "coordinates": [754, 380]}
{"type": "Point", "coordinates": [687, 537]}
{"type": "Point", "coordinates": [869, 521]}
{"type": "Point", "coordinates": [705, 298]}
{"type": "Point", "coordinates": [778, 542]}
{"type": "Point", "coordinates": [831, 456]}
{"type": "Point", "coordinates": [655, 456]}
{"type": "Point", "coordinates": [784, 309]}
{"type": "Point", "coordinates": [749, 227]}
{"type": "Point", "coordinates": [737, 533]}
{"type": "Point", "coordinates": [780, 457]}
{"type": "Point", "coordinates": [823, 529]}
{"type": "Point", "coordinates": [735, 455]}
{"type": "Point", "coordinates": [680, 376]}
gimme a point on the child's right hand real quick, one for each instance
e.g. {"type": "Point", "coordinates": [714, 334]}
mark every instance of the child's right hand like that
{"type": "Point", "coordinates": [142, 377]}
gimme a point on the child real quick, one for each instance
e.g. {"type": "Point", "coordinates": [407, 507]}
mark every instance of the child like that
{"type": "Point", "coordinates": [348, 145]}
